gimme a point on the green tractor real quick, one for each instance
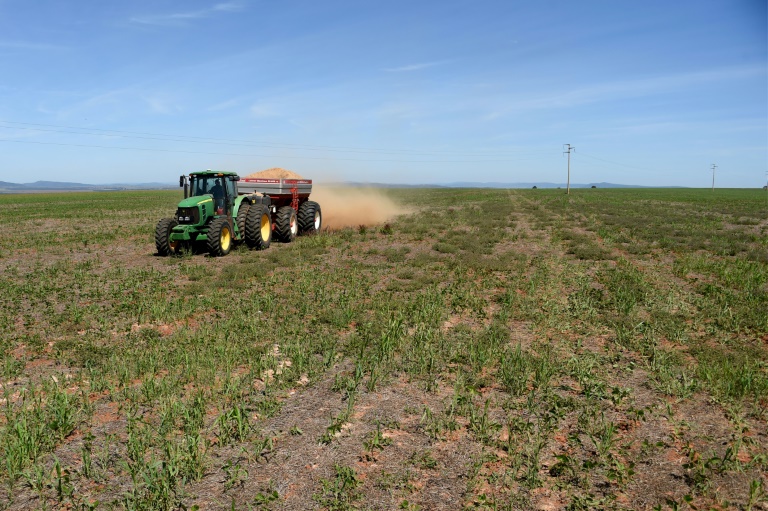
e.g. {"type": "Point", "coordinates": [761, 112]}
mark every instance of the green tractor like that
{"type": "Point", "coordinates": [219, 210]}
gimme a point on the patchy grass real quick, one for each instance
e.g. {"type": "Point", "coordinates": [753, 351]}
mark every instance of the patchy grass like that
{"type": "Point", "coordinates": [495, 349]}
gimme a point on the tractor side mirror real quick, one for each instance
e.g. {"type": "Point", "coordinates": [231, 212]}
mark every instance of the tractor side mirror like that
{"type": "Point", "coordinates": [181, 181]}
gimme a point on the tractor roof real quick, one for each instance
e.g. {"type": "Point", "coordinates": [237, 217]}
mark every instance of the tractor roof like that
{"type": "Point", "coordinates": [209, 172]}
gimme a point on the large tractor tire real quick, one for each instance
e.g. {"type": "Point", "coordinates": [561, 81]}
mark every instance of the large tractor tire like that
{"type": "Point", "coordinates": [242, 214]}
{"type": "Point", "coordinates": [286, 224]}
{"type": "Point", "coordinates": [163, 243]}
{"type": "Point", "coordinates": [310, 217]}
{"type": "Point", "coordinates": [219, 237]}
{"type": "Point", "coordinates": [258, 227]}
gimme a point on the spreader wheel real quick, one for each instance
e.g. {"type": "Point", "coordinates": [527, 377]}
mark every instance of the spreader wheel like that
{"type": "Point", "coordinates": [258, 227]}
{"type": "Point", "coordinates": [286, 224]}
{"type": "Point", "coordinates": [219, 237]}
{"type": "Point", "coordinates": [163, 243]}
{"type": "Point", "coordinates": [310, 217]}
{"type": "Point", "coordinates": [242, 214]}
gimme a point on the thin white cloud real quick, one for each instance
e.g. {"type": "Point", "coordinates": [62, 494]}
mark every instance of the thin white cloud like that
{"type": "Point", "coordinates": [183, 18]}
{"type": "Point", "coordinates": [297, 124]}
{"type": "Point", "coordinates": [262, 110]}
{"type": "Point", "coordinates": [161, 105]}
{"type": "Point", "coordinates": [228, 6]}
{"type": "Point", "coordinates": [412, 67]}
{"type": "Point", "coordinates": [26, 45]}
{"type": "Point", "coordinates": [662, 125]}
{"type": "Point", "coordinates": [121, 100]}
{"type": "Point", "coordinates": [224, 105]}
{"type": "Point", "coordinates": [100, 100]}
{"type": "Point", "coordinates": [611, 91]}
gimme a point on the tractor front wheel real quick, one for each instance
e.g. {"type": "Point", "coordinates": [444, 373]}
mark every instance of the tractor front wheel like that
{"type": "Point", "coordinates": [286, 224]}
{"type": "Point", "coordinates": [310, 218]}
{"type": "Point", "coordinates": [219, 237]}
{"type": "Point", "coordinates": [258, 227]}
{"type": "Point", "coordinates": [163, 243]}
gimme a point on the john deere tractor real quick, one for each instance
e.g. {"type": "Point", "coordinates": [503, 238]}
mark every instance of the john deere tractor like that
{"type": "Point", "coordinates": [220, 210]}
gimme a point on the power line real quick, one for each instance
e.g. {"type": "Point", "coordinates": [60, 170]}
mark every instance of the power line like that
{"type": "Point", "coordinates": [647, 169]}
{"type": "Point", "coordinates": [52, 128]}
{"type": "Point", "coordinates": [613, 162]}
{"type": "Point", "coordinates": [256, 155]}
{"type": "Point", "coordinates": [504, 156]}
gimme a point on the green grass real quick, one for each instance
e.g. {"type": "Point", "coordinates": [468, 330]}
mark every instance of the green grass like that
{"type": "Point", "coordinates": [493, 342]}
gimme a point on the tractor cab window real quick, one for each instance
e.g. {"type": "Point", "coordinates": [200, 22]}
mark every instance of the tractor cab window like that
{"type": "Point", "coordinates": [201, 185]}
{"type": "Point", "coordinates": [204, 185]}
{"type": "Point", "coordinates": [231, 189]}
{"type": "Point", "coordinates": [222, 190]}
{"type": "Point", "coordinates": [218, 191]}
{"type": "Point", "coordinates": [216, 188]}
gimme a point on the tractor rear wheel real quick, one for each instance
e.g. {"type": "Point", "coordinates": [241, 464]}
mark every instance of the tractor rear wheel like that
{"type": "Point", "coordinates": [258, 227]}
{"type": "Point", "coordinates": [219, 237]}
{"type": "Point", "coordinates": [286, 224]}
{"type": "Point", "coordinates": [163, 243]}
{"type": "Point", "coordinates": [242, 214]}
{"type": "Point", "coordinates": [310, 217]}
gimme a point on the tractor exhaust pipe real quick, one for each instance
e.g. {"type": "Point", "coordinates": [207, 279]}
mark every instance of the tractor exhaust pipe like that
{"type": "Point", "coordinates": [183, 182]}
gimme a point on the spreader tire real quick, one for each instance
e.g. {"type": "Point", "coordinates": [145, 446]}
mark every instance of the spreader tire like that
{"type": "Point", "coordinates": [242, 214]}
{"type": "Point", "coordinates": [219, 237]}
{"type": "Point", "coordinates": [163, 243]}
{"type": "Point", "coordinates": [310, 217]}
{"type": "Point", "coordinates": [286, 224]}
{"type": "Point", "coordinates": [258, 227]}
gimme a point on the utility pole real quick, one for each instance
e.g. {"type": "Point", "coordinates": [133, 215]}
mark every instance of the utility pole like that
{"type": "Point", "coordinates": [568, 150]}
{"type": "Point", "coordinates": [713, 176]}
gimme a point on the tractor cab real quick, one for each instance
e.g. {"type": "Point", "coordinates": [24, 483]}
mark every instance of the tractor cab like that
{"type": "Point", "coordinates": [220, 186]}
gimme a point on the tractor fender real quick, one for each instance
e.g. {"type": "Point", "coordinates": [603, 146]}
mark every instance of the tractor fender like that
{"type": "Point", "coordinates": [239, 200]}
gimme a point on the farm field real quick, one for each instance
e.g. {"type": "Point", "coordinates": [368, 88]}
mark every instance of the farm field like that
{"type": "Point", "coordinates": [490, 349]}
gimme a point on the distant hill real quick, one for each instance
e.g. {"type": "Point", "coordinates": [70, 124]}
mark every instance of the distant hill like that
{"type": "Point", "coordinates": [9, 186]}
{"type": "Point", "coordinates": [58, 186]}
{"type": "Point", "coordinates": [473, 184]}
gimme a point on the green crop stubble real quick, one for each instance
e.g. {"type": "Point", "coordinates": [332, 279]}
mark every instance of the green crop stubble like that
{"type": "Point", "coordinates": [196, 351]}
{"type": "Point", "coordinates": [42, 418]}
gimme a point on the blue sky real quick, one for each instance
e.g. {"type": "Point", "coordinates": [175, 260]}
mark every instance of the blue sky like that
{"type": "Point", "coordinates": [649, 93]}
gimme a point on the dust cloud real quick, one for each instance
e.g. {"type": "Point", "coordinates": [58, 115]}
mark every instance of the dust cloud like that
{"type": "Point", "coordinates": [343, 206]}
{"type": "Point", "coordinates": [350, 206]}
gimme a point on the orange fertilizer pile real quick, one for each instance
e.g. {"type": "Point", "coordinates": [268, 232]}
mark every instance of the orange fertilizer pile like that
{"type": "Point", "coordinates": [274, 173]}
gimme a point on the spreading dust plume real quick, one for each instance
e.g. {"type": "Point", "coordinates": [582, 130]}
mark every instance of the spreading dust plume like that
{"type": "Point", "coordinates": [349, 206]}
{"type": "Point", "coordinates": [344, 206]}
